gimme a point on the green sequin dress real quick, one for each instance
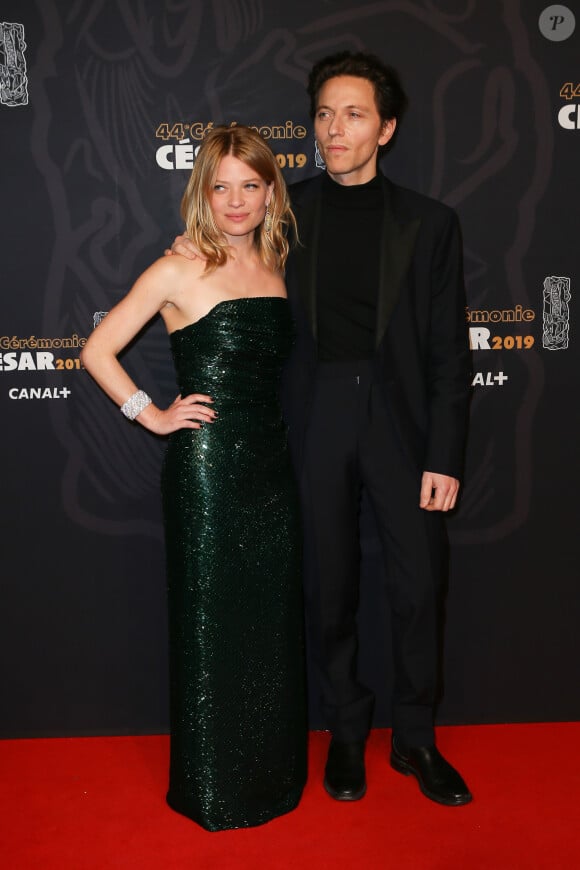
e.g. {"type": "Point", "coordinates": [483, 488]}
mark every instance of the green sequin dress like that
{"type": "Point", "coordinates": [232, 526]}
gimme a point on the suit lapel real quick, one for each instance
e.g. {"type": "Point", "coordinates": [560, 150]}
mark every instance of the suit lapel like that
{"type": "Point", "coordinates": [397, 245]}
{"type": "Point", "coordinates": [305, 255]}
{"type": "Point", "coordinates": [398, 237]}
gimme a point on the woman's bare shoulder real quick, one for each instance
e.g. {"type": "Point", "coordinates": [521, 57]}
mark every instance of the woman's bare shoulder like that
{"type": "Point", "coordinates": [176, 268]}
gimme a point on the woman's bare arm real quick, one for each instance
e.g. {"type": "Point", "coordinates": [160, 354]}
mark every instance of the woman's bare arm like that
{"type": "Point", "coordinates": [99, 356]}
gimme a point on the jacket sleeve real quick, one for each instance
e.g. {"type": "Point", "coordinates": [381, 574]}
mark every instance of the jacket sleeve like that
{"type": "Point", "coordinates": [448, 373]}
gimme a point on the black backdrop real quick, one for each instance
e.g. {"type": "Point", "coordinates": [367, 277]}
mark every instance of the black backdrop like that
{"type": "Point", "coordinates": [101, 108]}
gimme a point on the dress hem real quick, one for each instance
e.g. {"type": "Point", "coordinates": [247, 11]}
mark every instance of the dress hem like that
{"type": "Point", "coordinates": [282, 808]}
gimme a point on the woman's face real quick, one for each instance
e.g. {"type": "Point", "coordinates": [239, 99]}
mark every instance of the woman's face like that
{"type": "Point", "coordinates": [239, 197]}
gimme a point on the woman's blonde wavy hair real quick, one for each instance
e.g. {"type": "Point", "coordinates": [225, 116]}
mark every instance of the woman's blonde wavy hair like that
{"type": "Point", "coordinates": [248, 146]}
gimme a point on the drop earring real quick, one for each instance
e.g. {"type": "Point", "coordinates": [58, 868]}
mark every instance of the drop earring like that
{"type": "Point", "coordinates": [268, 221]}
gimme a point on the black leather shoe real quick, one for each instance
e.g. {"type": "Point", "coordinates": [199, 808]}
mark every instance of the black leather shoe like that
{"type": "Point", "coordinates": [344, 776]}
{"type": "Point", "coordinates": [437, 779]}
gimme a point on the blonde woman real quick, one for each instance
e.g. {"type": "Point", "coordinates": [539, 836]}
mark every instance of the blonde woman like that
{"type": "Point", "coordinates": [238, 722]}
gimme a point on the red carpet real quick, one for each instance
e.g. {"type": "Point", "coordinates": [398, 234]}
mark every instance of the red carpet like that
{"type": "Point", "coordinates": [98, 803]}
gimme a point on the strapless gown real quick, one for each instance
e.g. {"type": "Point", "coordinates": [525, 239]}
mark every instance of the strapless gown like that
{"type": "Point", "coordinates": [232, 526]}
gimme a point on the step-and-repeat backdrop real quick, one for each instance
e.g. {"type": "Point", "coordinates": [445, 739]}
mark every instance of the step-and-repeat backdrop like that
{"type": "Point", "coordinates": [102, 108]}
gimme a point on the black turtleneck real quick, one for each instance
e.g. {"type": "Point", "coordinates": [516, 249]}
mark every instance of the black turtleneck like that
{"type": "Point", "coordinates": [348, 269]}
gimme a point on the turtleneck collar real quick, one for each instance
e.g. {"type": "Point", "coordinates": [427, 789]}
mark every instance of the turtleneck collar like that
{"type": "Point", "coordinates": [352, 195]}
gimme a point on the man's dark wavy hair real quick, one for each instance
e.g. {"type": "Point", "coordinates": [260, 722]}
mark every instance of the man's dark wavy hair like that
{"type": "Point", "coordinates": [390, 98]}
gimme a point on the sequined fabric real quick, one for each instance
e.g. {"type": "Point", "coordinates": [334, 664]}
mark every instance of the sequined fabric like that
{"type": "Point", "coordinates": [238, 721]}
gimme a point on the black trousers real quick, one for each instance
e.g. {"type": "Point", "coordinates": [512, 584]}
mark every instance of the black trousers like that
{"type": "Point", "coordinates": [351, 443]}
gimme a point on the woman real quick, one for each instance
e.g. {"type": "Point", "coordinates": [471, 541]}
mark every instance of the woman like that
{"type": "Point", "coordinates": [238, 722]}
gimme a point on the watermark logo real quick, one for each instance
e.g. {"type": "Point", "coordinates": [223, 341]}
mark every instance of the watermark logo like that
{"type": "Point", "coordinates": [556, 313]}
{"type": "Point", "coordinates": [517, 321]}
{"type": "Point", "coordinates": [182, 152]}
{"type": "Point", "coordinates": [318, 158]}
{"type": "Point", "coordinates": [569, 117]}
{"type": "Point", "coordinates": [489, 379]}
{"type": "Point", "coordinates": [13, 80]}
{"type": "Point", "coordinates": [569, 114]}
{"type": "Point", "coordinates": [557, 23]}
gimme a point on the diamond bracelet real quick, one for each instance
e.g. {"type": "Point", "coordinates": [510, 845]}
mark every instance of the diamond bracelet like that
{"type": "Point", "coordinates": [135, 404]}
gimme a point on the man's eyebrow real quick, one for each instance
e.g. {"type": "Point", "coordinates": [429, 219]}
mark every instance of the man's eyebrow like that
{"type": "Point", "coordinates": [360, 106]}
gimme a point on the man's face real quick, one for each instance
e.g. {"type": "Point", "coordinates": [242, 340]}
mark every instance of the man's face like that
{"type": "Point", "coordinates": [349, 129]}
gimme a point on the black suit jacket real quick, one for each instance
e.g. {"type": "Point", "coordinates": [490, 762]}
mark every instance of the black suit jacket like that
{"type": "Point", "coordinates": [422, 359]}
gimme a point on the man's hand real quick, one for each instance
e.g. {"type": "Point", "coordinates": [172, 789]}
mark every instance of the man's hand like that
{"type": "Point", "coordinates": [184, 246]}
{"type": "Point", "coordinates": [438, 492]}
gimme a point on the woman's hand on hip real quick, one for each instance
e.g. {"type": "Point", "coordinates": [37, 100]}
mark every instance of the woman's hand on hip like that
{"type": "Point", "coordinates": [189, 412]}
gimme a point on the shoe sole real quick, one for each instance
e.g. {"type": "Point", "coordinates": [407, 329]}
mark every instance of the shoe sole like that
{"type": "Point", "coordinates": [345, 796]}
{"type": "Point", "coordinates": [401, 766]}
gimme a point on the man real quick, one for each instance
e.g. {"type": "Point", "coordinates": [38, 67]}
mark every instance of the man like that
{"type": "Point", "coordinates": [376, 396]}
